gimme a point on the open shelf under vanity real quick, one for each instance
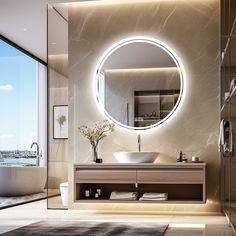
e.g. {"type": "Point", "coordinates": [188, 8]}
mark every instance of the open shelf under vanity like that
{"type": "Point", "coordinates": [184, 183]}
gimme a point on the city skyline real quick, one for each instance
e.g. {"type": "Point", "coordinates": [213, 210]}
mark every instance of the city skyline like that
{"type": "Point", "coordinates": [18, 154]}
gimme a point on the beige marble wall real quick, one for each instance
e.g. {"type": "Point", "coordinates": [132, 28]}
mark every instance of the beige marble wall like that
{"type": "Point", "coordinates": [191, 29]}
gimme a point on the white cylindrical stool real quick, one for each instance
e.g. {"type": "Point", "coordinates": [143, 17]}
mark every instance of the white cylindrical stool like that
{"type": "Point", "coordinates": [64, 193]}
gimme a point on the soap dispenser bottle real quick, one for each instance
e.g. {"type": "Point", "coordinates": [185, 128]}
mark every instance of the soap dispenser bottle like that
{"type": "Point", "coordinates": [179, 158]}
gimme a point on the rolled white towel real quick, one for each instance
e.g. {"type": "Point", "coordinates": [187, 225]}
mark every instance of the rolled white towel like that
{"type": "Point", "coordinates": [155, 195]}
{"type": "Point", "coordinates": [115, 195]}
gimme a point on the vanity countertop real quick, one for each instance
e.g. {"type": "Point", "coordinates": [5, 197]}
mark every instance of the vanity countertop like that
{"type": "Point", "coordinates": [142, 165]}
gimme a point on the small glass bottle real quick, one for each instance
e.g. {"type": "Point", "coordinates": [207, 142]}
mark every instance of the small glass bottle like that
{"type": "Point", "coordinates": [99, 191]}
{"type": "Point", "coordinates": [87, 193]}
{"type": "Point", "coordinates": [179, 158]}
{"type": "Point", "coordinates": [184, 158]}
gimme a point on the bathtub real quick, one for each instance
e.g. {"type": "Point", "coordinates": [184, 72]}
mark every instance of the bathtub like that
{"type": "Point", "coordinates": [22, 180]}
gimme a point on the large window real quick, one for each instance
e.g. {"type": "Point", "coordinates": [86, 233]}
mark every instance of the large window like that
{"type": "Point", "coordinates": [19, 105]}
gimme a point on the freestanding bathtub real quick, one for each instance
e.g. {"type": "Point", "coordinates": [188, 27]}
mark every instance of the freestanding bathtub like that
{"type": "Point", "coordinates": [22, 180]}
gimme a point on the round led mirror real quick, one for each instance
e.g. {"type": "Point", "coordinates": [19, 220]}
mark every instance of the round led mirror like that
{"type": "Point", "coordinates": [139, 83]}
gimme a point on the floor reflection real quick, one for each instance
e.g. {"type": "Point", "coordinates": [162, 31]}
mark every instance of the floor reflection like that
{"type": "Point", "coordinates": [199, 230]}
{"type": "Point", "coordinates": [55, 203]}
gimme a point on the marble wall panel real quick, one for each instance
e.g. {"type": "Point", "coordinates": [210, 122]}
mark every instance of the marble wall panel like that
{"type": "Point", "coordinates": [191, 29]}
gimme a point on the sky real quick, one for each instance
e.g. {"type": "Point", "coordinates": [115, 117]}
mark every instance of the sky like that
{"type": "Point", "coordinates": [18, 103]}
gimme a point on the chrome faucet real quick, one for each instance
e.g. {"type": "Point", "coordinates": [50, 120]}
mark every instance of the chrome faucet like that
{"type": "Point", "coordinates": [139, 143]}
{"type": "Point", "coordinates": [37, 152]}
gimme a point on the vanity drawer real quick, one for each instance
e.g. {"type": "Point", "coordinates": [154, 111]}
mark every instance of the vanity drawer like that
{"type": "Point", "coordinates": [105, 176]}
{"type": "Point", "coordinates": [171, 176]}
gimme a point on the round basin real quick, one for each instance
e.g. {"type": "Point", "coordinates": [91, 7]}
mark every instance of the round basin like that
{"type": "Point", "coordinates": [135, 157]}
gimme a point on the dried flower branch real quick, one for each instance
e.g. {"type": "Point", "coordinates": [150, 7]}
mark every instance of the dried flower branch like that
{"type": "Point", "coordinates": [100, 130]}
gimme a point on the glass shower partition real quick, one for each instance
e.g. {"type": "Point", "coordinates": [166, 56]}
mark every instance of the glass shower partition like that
{"type": "Point", "coordinates": [57, 106]}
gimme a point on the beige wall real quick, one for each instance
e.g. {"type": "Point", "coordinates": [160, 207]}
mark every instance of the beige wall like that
{"type": "Point", "coordinates": [191, 29]}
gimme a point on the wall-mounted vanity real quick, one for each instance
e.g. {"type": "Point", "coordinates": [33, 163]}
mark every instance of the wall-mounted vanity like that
{"type": "Point", "coordinates": [184, 183]}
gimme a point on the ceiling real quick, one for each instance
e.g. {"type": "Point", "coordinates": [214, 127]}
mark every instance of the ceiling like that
{"type": "Point", "coordinates": [25, 23]}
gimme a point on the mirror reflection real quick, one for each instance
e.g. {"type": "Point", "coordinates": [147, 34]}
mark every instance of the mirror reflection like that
{"type": "Point", "coordinates": [138, 84]}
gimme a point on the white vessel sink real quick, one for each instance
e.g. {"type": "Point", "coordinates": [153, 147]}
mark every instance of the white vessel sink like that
{"type": "Point", "coordinates": [136, 157]}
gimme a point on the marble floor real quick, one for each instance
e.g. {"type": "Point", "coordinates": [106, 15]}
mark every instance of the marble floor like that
{"type": "Point", "coordinates": [179, 225]}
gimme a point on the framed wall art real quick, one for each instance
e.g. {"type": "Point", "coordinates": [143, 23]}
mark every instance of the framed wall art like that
{"type": "Point", "coordinates": [60, 122]}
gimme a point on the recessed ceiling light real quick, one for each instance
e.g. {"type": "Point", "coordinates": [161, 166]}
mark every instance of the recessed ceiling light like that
{"type": "Point", "coordinates": [25, 29]}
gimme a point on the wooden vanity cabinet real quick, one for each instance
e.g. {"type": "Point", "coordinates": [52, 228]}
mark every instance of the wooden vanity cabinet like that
{"type": "Point", "coordinates": [184, 183]}
{"type": "Point", "coordinates": [170, 176]}
{"type": "Point", "coordinates": [105, 175]}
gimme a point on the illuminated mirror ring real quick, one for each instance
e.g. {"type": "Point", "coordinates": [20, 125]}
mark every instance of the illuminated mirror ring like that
{"type": "Point", "coordinates": [131, 112]}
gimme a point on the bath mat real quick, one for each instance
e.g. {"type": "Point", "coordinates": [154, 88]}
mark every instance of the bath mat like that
{"type": "Point", "coordinates": [66, 228]}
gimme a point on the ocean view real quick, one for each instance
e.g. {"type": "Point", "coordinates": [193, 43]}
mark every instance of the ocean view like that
{"type": "Point", "coordinates": [18, 161]}
{"type": "Point", "coordinates": [17, 157]}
